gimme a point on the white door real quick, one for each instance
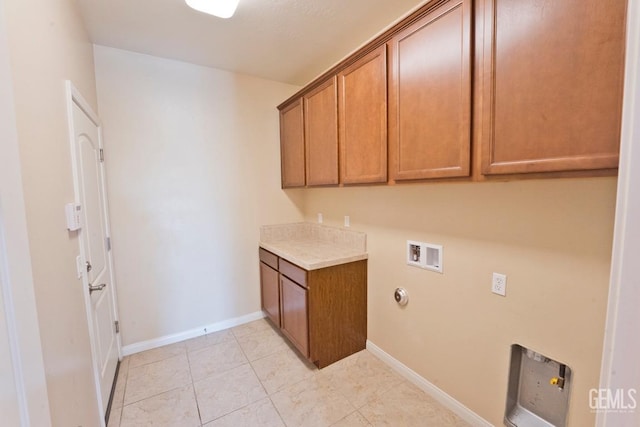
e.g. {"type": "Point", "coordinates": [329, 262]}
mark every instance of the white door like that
{"type": "Point", "coordinates": [94, 246]}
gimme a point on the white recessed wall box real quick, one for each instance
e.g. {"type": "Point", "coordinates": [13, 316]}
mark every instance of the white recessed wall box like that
{"type": "Point", "coordinates": [424, 255]}
{"type": "Point", "coordinates": [433, 257]}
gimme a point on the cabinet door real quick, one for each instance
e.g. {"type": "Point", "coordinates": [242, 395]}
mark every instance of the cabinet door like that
{"type": "Point", "coordinates": [552, 79]}
{"type": "Point", "coordinates": [430, 95]}
{"type": "Point", "coordinates": [270, 292]}
{"type": "Point", "coordinates": [295, 323]}
{"type": "Point", "coordinates": [362, 101]}
{"type": "Point", "coordinates": [292, 145]}
{"type": "Point", "coordinates": [321, 134]}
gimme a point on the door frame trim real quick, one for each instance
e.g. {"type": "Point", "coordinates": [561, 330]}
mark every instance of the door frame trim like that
{"type": "Point", "coordinates": [621, 349]}
{"type": "Point", "coordinates": [75, 97]}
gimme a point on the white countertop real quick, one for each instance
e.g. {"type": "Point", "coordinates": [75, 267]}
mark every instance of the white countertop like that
{"type": "Point", "coordinates": [314, 246]}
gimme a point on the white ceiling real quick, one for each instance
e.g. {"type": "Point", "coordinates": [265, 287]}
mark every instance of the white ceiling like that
{"type": "Point", "coordinates": [289, 41]}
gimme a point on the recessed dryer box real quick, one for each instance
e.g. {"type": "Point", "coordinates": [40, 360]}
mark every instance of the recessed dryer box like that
{"type": "Point", "coordinates": [538, 393]}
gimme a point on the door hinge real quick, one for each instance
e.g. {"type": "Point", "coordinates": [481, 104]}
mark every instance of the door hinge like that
{"type": "Point", "coordinates": [117, 327]}
{"type": "Point", "coordinates": [108, 242]}
{"type": "Point", "coordinates": [101, 155]}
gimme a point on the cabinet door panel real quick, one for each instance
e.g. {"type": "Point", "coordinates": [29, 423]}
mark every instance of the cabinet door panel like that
{"type": "Point", "coordinates": [270, 292]}
{"type": "Point", "coordinates": [321, 134]}
{"type": "Point", "coordinates": [362, 95]}
{"type": "Point", "coordinates": [295, 324]}
{"type": "Point", "coordinates": [430, 95]}
{"type": "Point", "coordinates": [292, 145]}
{"type": "Point", "coordinates": [552, 85]}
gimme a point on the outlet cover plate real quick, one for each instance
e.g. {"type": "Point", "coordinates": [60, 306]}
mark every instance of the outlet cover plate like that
{"type": "Point", "coordinates": [499, 284]}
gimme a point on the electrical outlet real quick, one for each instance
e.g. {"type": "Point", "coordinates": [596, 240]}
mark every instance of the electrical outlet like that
{"type": "Point", "coordinates": [347, 221]}
{"type": "Point", "coordinates": [499, 284]}
{"type": "Point", "coordinates": [319, 218]}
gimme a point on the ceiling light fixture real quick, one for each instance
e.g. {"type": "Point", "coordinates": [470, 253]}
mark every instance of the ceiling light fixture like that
{"type": "Point", "coordinates": [219, 8]}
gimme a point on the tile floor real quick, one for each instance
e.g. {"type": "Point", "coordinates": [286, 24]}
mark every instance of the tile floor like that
{"type": "Point", "coordinates": [250, 376]}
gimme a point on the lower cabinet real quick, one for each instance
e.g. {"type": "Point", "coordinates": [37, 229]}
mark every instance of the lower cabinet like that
{"type": "Point", "coordinates": [322, 312]}
{"type": "Point", "coordinates": [270, 292]}
{"type": "Point", "coordinates": [270, 286]}
{"type": "Point", "coordinates": [295, 314]}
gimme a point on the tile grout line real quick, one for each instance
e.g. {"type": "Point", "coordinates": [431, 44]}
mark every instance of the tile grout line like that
{"type": "Point", "coordinates": [157, 394]}
{"type": "Point", "coordinates": [235, 338]}
{"type": "Point", "coordinates": [250, 362]}
{"type": "Point", "coordinates": [183, 345]}
{"type": "Point", "coordinates": [154, 395]}
{"type": "Point", "coordinates": [124, 391]}
{"type": "Point", "coordinates": [257, 377]}
{"type": "Point", "coordinates": [193, 386]}
{"type": "Point", "coordinates": [277, 410]}
{"type": "Point", "coordinates": [268, 396]}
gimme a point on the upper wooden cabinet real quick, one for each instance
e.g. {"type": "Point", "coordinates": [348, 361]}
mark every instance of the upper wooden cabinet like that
{"type": "Point", "coordinates": [362, 106]}
{"type": "Point", "coordinates": [321, 134]}
{"type": "Point", "coordinates": [292, 145]}
{"type": "Point", "coordinates": [552, 85]}
{"type": "Point", "coordinates": [430, 95]}
{"type": "Point", "coordinates": [542, 80]}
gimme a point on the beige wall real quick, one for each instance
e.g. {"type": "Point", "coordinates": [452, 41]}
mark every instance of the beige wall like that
{"type": "Point", "coordinates": [48, 44]}
{"type": "Point", "coordinates": [23, 388]}
{"type": "Point", "coordinates": [552, 238]}
{"type": "Point", "coordinates": [192, 172]}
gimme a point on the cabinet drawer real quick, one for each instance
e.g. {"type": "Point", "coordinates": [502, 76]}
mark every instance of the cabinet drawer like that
{"type": "Point", "coordinates": [268, 258]}
{"type": "Point", "coordinates": [293, 272]}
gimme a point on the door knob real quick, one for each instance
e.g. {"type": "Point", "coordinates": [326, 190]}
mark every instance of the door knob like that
{"type": "Point", "coordinates": [93, 288]}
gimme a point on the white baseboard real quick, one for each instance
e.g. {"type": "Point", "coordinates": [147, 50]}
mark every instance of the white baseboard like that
{"type": "Point", "coordinates": [130, 349]}
{"type": "Point", "coordinates": [443, 398]}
